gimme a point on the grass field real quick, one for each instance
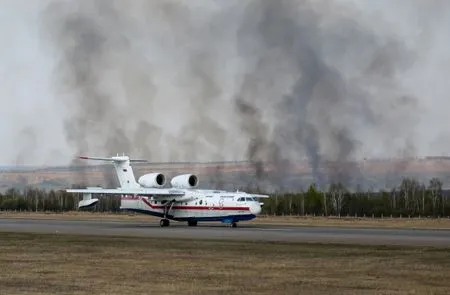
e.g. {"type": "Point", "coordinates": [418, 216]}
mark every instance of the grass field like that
{"type": "Point", "coordinates": [430, 223]}
{"type": "Point", "coordinates": [57, 264]}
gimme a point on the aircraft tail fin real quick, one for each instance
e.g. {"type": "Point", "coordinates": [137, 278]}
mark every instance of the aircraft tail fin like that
{"type": "Point", "coordinates": [123, 169]}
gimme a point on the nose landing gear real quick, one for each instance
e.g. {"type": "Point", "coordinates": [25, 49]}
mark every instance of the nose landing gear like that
{"type": "Point", "coordinates": [230, 222]}
{"type": "Point", "coordinates": [233, 224]}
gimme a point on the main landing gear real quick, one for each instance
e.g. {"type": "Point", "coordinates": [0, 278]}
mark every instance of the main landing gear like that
{"type": "Point", "coordinates": [192, 223]}
{"type": "Point", "coordinates": [165, 221]}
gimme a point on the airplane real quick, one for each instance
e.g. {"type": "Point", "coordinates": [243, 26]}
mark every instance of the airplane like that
{"type": "Point", "coordinates": [183, 202]}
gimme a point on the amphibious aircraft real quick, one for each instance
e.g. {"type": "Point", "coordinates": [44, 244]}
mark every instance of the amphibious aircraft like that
{"type": "Point", "coordinates": [181, 202]}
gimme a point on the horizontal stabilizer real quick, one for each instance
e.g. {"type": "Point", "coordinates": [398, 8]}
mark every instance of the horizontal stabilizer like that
{"type": "Point", "coordinates": [113, 159]}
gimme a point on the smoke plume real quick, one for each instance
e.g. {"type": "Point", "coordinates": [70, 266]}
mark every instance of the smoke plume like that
{"type": "Point", "coordinates": [319, 109]}
{"type": "Point", "coordinates": [272, 82]}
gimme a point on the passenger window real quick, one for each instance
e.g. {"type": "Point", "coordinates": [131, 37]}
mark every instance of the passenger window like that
{"type": "Point", "coordinates": [201, 201]}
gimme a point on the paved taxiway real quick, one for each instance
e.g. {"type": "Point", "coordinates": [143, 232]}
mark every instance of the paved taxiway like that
{"type": "Point", "coordinates": [242, 232]}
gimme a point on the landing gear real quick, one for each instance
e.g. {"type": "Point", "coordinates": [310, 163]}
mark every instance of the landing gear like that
{"type": "Point", "coordinates": [164, 222]}
{"type": "Point", "coordinates": [230, 222]}
{"type": "Point", "coordinates": [192, 223]}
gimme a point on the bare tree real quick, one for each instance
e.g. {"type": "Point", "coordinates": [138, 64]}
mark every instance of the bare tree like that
{"type": "Point", "coordinates": [423, 189]}
{"type": "Point", "coordinates": [409, 189]}
{"type": "Point", "coordinates": [435, 187]}
{"type": "Point", "coordinates": [337, 192]}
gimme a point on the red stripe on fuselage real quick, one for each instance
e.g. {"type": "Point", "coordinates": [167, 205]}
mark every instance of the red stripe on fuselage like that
{"type": "Point", "coordinates": [195, 207]}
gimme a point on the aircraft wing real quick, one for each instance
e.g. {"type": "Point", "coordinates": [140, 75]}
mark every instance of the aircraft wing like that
{"type": "Point", "coordinates": [130, 191]}
{"type": "Point", "coordinates": [88, 201]}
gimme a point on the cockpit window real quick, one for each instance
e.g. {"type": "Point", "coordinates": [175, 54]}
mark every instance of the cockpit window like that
{"type": "Point", "coordinates": [250, 199]}
{"type": "Point", "coordinates": [241, 200]}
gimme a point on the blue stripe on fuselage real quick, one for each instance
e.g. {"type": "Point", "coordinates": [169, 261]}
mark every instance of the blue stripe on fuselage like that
{"type": "Point", "coordinates": [227, 218]}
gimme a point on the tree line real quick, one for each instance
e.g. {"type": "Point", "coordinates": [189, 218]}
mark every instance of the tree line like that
{"type": "Point", "coordinates": [409, 198]}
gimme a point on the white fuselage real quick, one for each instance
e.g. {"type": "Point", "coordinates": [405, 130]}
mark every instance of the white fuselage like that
{"type": "Point", "coordinates": [181, 202]}
{"type": "Point", "coordinates": [197, 205]}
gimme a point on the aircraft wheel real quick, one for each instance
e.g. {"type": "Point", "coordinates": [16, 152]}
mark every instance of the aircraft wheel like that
{"type": "Point", "coordinates": [192, 223]}
{"type": "Point", "coordinates": [233, 224]}
{"type": "Point", "coordinates": [164, 222]}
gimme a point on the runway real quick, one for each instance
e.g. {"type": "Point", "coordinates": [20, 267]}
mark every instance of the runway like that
{"type": "Point", "coordinates": [244, 231]}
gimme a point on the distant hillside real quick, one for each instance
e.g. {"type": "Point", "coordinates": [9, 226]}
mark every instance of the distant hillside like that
{"type": "Point", "coordinates": [375, 174]}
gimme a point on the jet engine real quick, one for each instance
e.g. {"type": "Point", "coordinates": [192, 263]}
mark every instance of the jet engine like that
{"type": "Point", "coordinates": [184, 181]}
{"type": "Point", "coordinates": [152, 180]}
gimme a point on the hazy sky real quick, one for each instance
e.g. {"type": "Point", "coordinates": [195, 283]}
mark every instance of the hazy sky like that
{"type": "Point", "coordinates": [27, 100]}
{"type": "Point", "coordinates": [424, 26]}
{"type": "Point", "coordinates": [162, 56]}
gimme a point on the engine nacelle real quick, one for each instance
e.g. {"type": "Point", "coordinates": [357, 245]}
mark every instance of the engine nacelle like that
{"type": "Point", "coordinates": [184, 181]}
{"type": "Point", "coordinates": [152, 180]}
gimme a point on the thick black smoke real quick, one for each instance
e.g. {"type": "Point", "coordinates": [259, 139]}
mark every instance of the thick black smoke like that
{"type": "Point", "coordinates": [272, 81]}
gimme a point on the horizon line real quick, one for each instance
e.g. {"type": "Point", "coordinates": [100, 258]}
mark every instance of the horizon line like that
{"type": "Point", "coordinates": [28, 167]}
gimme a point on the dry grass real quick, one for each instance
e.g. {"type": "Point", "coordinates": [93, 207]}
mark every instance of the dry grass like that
{"type": "Point", "coordinates": [427, 223]}
{"type": "Point", "coordinates": [56, 264]}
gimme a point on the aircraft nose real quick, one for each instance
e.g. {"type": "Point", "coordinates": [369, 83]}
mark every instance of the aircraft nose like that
{"type": "Point", "coordinates": [255, 209]}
